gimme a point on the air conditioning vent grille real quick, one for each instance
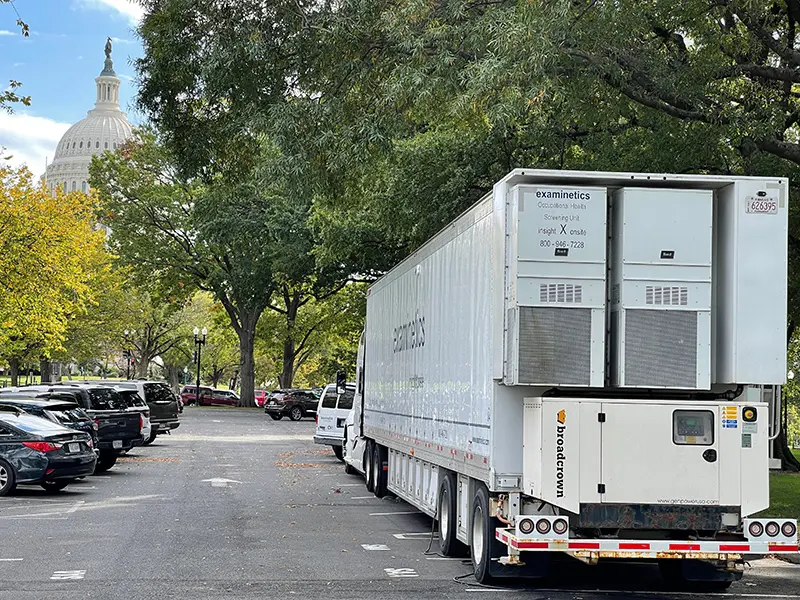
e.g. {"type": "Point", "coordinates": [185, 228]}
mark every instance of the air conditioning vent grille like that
{"type": "Point", "coordinates": [657, 295]}
{"type": "Point", "coordinates": [560, 293]}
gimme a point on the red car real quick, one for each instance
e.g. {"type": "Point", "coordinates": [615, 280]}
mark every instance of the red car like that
{"type": "Point", "coordinates": [261, 397]}
{"type": "Point", "coordinates": [189, 395]}
{"type": "Point", "coordinates": [220, 397]}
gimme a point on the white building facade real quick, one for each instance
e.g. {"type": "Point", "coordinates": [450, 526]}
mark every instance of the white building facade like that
{"type": "Point", "coordinates": [104, 128]}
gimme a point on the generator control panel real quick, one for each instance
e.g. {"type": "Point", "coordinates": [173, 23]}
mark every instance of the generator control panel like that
{"type": "Point", "coordinates": [693, 427]}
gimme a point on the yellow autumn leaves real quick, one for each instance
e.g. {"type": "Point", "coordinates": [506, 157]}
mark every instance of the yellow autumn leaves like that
{"type": "Point", "coordinates": [50, 255]}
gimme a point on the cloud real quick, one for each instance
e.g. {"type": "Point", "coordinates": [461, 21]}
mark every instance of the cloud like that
{"type": "Point", "coordinates": [117, 40]}
{"type": "Point", "coordinates": [126, 77]}
{"type": "Point", "coordinates": [6, 32]}
{"type": "Point", "coordinates": [130, 9]}
{"type": "Point", "coordinates": [29, 139]}
{"type": "Point", "coordinates": [18, 64]}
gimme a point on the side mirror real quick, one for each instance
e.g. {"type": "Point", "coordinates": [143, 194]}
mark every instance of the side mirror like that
{"type": "Point", "coordinates": [341, 382]}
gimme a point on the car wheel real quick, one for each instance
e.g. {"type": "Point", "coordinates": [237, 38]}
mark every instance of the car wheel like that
{"type": "Point", "coordinates": [152, 438]}
{"type": "Point", "coordinates": [55, 486]}
{"type": "Point", "coordinates": [105, 462]}
{"type": "Point", "coordinates": [338, 453]}
{"type": "Point", "coordinates": [296, 413]}
{"type": "Point", "coordinates": [275, 417]}
{"type": "Point", "coordinates": [8, 479]}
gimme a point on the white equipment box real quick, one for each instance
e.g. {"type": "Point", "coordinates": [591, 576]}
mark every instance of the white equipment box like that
{"type": "Point", "coordinates": [557, 286]}
{"type": "Point", "coordinates": [661, 288]}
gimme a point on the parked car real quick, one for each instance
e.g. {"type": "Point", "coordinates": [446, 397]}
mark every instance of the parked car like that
{"type": "Point", "coordinates": [189, 394]}
{"type": "Point", "coordinates": [294, 403]}
{"type": "Point", "coordinates": [221, 397]}
{"type": "Point", "coordinates": [161, 400]}
{"type": "Point", "coordinates": [137, 404]}
{"type": "Point", "coordinates": [117, 429]}
{"type": "Point", "coordinates": [66, 414]}
{"type": "Point", "coordinates": [261, 397]}
{"type": "Point", "coordinates": [36, 451]}
{"type": "Point", "coordinates": [332, 413]}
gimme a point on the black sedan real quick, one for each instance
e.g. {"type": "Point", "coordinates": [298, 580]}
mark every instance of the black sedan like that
{"type": "Point", "coordinates": [35, 451]}
{"type": "Point", "coordinates": [68, 414]}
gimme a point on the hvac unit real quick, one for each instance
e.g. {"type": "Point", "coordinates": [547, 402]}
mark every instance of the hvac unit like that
{"type": "Point", "coordinates": [556, 285]}
{"type": "Point", "coordinates": [660, 279]}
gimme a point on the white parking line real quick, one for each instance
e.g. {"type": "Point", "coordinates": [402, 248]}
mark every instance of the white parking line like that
{"type": "Point", "coordinates": [396, 512]}
{"type": "Point", "coordinates": [403, 572]}
{"type": "Point", "coordinates": [416, 535]}
{"type": "Point", "coordinates": [362, 498]}
{"type": "Point", "coordinates": [11, 559]}
{"type": "Point", "coordinates": [59, 575]}
{"type": "Point", "coordinates": [348, 484]}
{"type": "Point", "coordinates": [375, 546]}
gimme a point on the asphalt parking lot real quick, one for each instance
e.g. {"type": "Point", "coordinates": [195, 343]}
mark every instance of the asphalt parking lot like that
{"type": "Point", "coordinates": [235, 505]}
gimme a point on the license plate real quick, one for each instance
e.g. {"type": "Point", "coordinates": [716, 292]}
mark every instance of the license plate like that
{"type": "Point", "coordinates": [761, 205]}
{"type": "Point", "coordinates": [117, 444]}
{"type": "Point", "coordinates": [73, 447]}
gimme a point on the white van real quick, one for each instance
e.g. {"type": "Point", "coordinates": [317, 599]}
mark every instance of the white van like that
{"type": "Point", "coordinates": [332, 411]}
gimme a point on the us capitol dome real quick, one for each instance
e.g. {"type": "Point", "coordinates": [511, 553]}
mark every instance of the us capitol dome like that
{"type": "Point", "coordinates": [104, 128]}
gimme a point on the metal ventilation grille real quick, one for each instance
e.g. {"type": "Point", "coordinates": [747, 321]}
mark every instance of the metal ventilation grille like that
{"type": "Point", "coordinates": [560, 293]}
{"type": "Point", "coordinates": [661, 348]}
{"type": "Point", "coordinates": [666, 295]}
{"type": "Point", "coordinates": [555, 345]}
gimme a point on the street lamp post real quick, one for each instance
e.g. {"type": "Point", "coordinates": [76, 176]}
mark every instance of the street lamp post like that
{"type": "Point", "coordinates": [199, 341]}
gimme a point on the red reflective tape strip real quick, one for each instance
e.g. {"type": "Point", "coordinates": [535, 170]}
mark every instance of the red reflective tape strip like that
{"type": "Point", "coordinates": [531, 545]}
{"type": "Point", "coordinates": [734, 547]}
{"type": "Point", "coordinates": [782, 548]}
{"type": "Point", "coordinates": [584, 546]}
{"type": "Point", "coordinates": [624, 546]}
{"type": "Point", "coordinates": [684, 547]}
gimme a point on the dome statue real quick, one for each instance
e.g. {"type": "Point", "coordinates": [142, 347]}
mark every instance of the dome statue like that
{"type": "Point", "coordinates": [104, 128]}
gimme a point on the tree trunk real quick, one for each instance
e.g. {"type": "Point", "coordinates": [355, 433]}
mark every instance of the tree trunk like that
{"type": "Point", "coordinates": [247, 370]}
{"type": "Point", "coordinates": [46, 369]}
{"type": "Point", "coordinates": [286, 378]}
{"type": "Point", "coordinates": [781, 443]}
{"type": "Point", "coordinates": [216, 375]}
{"type": "Point", "coordinates": [13, 367]}
{"type": "Point", "coordinates": [174, 376]}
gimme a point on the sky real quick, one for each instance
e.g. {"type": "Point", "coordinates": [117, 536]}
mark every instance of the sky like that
{"type": "Point", "coordinates": [57, 66]}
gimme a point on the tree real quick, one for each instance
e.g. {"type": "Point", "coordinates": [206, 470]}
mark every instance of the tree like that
{"type": "Point", "coordinates": [50, 256]}
{"type": "Point", "coordinates": [241, 240]}
{"type": "Point", "coordinates": [10, 95]}
{"type": "Point", "coordinates": [321, 338]}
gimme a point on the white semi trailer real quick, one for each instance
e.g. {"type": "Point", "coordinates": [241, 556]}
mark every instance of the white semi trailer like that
{"type": "Point", "coordinates": [586, 363]}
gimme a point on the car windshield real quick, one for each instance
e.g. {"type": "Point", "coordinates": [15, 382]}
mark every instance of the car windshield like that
{"type": "Point", "coordinates": [158, 392]}
{"type": "Point", "coordinates": [106, 399]}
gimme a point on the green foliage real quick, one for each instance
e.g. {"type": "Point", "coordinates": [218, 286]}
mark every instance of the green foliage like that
{"type": "Point", "coordinates": [10, 95]}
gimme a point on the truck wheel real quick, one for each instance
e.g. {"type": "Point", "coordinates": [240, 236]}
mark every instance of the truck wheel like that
{"type": "Point", "coordinates": [275, 417]}
{"type": "Point", "coordinates": [105, 462]}
{"type": "Point", "coordinates": [446, 520]}
{"type": "Point", "coordinates": [368, 467]}
{"type": "Point", "coordinates": [296, 413]}
{"type": "Point", "coordinates": [480, 539]}
{"type": "Point", "coordinates": [338, 453]}
{"type": "Point", "coordinates": [379, 470]}
{"type": "Point", "coordinates": [8, 479]}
